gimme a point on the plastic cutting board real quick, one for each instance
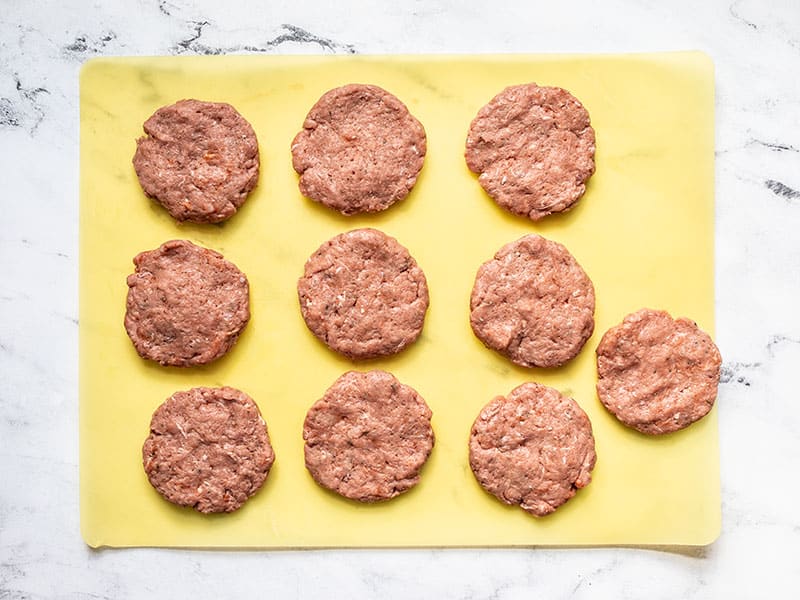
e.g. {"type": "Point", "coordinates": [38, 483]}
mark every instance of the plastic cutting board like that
{"type": "Point", "coordinates": [643, 232]}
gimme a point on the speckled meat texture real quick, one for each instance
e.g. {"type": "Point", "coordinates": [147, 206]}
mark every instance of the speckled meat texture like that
{"type": "Point", "coordinates": [534, 448]}
{"type": "Point", "coordinates": [186, 305]}
{"type": "Point", "coordinates": [360, 150]}
{"type": "Point", "coordinates": [368, 437]}
{"type": "Point", "coordinates": [208, 448]}
{"type": "Point", "coordinates": [533, 303]}
{"type": "Point", "coordinates": [657, 374]}
{"type": "Point", "coordinates": [198, 159]}
{"type": "Point", "coordinates": [363, 295]}
{"type": "Point", "coordinates": [533, 148]}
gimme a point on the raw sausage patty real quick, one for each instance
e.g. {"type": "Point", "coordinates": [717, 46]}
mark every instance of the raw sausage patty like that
{"type": "Point", "coordinates": [534, 448]}
{"type": "Point", "coordinates": [360, 150]}
{"type": "Point", "coordinates": [199, 160]}
{"type": "Point", "coordinates": [186, 305]}
{"type": "Point", "coordinates": [363, 294]}
{"type": "Point", "coordinates": [533, 149]}
{"type": "Point", "coordinates": [533, 303]}
{"type": "Point", "coordinates": [208, 448]}
{"type": "Point", "coordinates": [368, 436]}
{"type": "Point", "coordinates": [657, 374]}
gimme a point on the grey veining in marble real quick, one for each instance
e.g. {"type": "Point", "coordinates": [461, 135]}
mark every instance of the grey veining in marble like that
{"type": "Point", "coordinates": [756, 49]}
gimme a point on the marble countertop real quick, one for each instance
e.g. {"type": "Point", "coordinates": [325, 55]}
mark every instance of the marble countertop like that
{"type": "Point", "coordinates": [756, 50]}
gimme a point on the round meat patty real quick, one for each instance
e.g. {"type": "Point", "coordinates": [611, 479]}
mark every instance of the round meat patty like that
{"type": "Point", "coordinates": [208, 448]}
{"type": "Point", "coordinates": [186, 305]}
{"type": "Point", "coordinates": [368, 437]}
{"type": "Point", "coordinates": [533, 149]}
{"type": "Point", "coordinates": [533, 303]}
{"type": "Point", "coordinates": [199, 160]}
{"type": "Point", "coordinates": [657, 374]}
{"type": "Point", "coordinates": [363, 294]}
{"type": "Point", "coordinates": [534, 448]}
{"type": "Point", "coordinates": [360, 150]}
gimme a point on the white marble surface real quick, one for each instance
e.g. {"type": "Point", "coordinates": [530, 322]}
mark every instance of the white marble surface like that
{"type": "Point", "coordinates": [756, 48]}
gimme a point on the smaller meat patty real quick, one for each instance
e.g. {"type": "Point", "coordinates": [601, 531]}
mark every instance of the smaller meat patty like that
{"type": "Point", "coordinates": [534, 448]}
{"type": "Point", "coordinates": [533, 303]}
{"type": "Point", "coordinates": [533, 149]}
{"type": "Point", "coordinates": [363, 294]}
{"type": "Point", "coordinates": [360, 150]}
{"type": "Point", "coordinates": [657, 374]}
{"type": "Point", "coordinates": [368, 437]}
{"type": "Point", "coordinates": [186, 305]}
{"type": "Point", "coordinates": [199, 160]}
{"type": "Point", "coordinates": [208, 448]}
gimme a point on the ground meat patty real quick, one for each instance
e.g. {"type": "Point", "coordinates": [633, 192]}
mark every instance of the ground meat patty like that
{"type": "Point", "coordinates": [186, 305]}
{"type": "Point", "coordinates": [533, 303]}
{"type": "Point", "coordinates": [368, 436]}
{"type": "Point", "coordinates": [208, 448]}
{"type": "Point", "coordinates": [198, 159]}
{"type": "Point", "coordinates": [534, 448]}
{"type": "Point", "coordinates": [360, 150]}
{"type": "Point", "coordinates": [363, 294]}
{"type": "Point", "coordinates": [657, 374]}
{"type": "Point", "coordinates": [533, 148]}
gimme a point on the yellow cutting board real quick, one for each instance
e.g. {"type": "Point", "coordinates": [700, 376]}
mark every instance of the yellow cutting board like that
{"type": "Point", "coordinates": [643, 232]}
